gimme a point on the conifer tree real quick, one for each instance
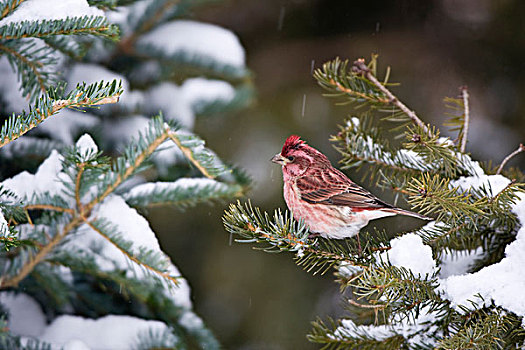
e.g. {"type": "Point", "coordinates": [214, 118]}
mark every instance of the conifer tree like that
{"type": "Point", "coordinates": [457, 282]}
{"type": "Point", "coordinates": [80, 266]}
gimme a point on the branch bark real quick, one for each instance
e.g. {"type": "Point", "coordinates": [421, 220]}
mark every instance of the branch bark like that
{"type": "Point", "coordinates": [362, 68]}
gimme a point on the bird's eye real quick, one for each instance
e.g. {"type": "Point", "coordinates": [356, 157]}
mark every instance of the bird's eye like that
{"type": "Point", "coordinates": [291, 158]}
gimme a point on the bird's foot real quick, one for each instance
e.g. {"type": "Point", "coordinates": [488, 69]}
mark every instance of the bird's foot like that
{"type": "Point", "coordinates": [313, 235]}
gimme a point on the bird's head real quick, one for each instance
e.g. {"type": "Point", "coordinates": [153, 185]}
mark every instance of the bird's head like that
{"type": "Point", "coordinates": [297, 157]}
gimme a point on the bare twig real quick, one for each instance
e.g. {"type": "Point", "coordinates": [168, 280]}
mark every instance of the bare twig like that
{"type": "Point", "coordinates": [367, 306]}
{"type": "Point", "coordinates": [520, 149]}
{"type": "Point", "coordinates": [465, 96]}
{"type": "Point", "coordinates": [361, 67]}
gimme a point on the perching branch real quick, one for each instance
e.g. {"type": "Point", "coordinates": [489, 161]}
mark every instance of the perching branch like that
{"type": "Point", "coordinates": [465, 96]}
{"type": "Point", "coordinates": [520, 149]}
{"type": "Point", "coordinates": [360, 67]}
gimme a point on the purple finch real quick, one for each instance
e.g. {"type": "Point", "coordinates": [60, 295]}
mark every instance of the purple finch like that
{"type": "Point", "coordinates": [330, 204]}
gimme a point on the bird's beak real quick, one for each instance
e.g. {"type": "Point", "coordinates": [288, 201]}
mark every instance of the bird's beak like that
{"type": "Point", "coordinates": [278, 159]}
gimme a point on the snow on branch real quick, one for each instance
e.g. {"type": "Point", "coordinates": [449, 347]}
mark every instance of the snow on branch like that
{"type": "Point", "coordinates": [182, 193]}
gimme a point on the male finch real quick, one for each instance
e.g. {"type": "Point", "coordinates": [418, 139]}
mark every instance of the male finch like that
{"type": "Point", "coordinates": [331, 204]}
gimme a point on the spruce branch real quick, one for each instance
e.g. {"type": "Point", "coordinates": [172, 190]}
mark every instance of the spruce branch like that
{"type": "Point", "coordinates": [397, 289]}
{"type": "Point", "coordinates": [30, 264]}
{"type": "Point", "coordinates": [82, 96]}
{"type": "Point", "coordinates": [183, 193]}
{"type": "Point", "coordinates": [521, 148]}
{"type": "Point", "coordinates": [48, 207]}
{"type": "Point", "coordinates": [105, 4]}
{"type": "Point", "coordinates": [280, 233]}
{"type": "Point", "coordinates": [152, 16]}
{"type": "Point", "coordinates": [8, 6]}
{"type": "Point", "coordinates": [359, 67]}
{"type": "Point", "coordinates": [173, 63]}
{"type": "Point", "coordinates": [32, 64]}
{"type": "Point", "coordinates": [466, 113]}
{"type": "Point", "coordinates": [483, 328]}
{"type": "Point", "coordinates": [146, 259]}
{"type": "Point", "coordinates": [86, 25]}
{"type": "Point", "coordinates": [339, 336]}
{"type": "Point", "coordinates": [433, 194]}
{"type": "Point", "coordinates": [201, 157]}
{"type": "Point", "coordinates": [66, 44]}
{"type": "Point", "coordinates": [361, 142]}
{"type": "Point", "coordinates": [136, 153]}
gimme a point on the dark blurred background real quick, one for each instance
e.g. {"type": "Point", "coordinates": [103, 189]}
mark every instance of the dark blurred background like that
{"type": "Point", "coordinates": [254, 300]}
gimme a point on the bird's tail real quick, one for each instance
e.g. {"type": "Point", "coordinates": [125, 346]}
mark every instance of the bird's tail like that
{"type": "Point", "coordinates": [408, 213]}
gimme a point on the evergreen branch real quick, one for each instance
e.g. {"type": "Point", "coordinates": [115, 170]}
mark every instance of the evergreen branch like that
{"type": "Point", "coordinates": [201, 157]}
{"type": "Point", "coordinates": [360, 67]}
{"type": "Point", "coordinates": [438, 152]}
{"type": "Point", "coordinates": [466, 113]}
{"type": "Point", "coordinates": [48, 207]}
{"type": "Point", "coordinates": [340, 336]}
{"type": "Point", "coordinates": [10, 341]}
{"type": "Point", "coordinates": [82, 96]}
{"type": "Point", "coordinates": [32, 148]}
{"type": "Point", "coordinates": [281, 233]}
{"type": "Point", "coordinates": [520, 149]}
{"type": "Point", "coordinates": [10, 205]}
{"type": "Point", "coordinates": [144, 297]}
{"type": "Point", "coordinates": [125, 166]}
{"type": "Point", "coordinates": [183, 193]}
{"type": "Point", "coordinates": [190, 64]}
{"type": "Point", "coordinates": [396, 288]}
{"type": "Point", "coordinates": [151, 17]}
{"type": "Point", "coordinates": [32, 64]}
{"type": "Point", "coordinates": [29, 265]}
{"type": "Point", "coordinates": [361, 142]}
{"type": "Point", "coordinates": [135, 154]}
{"type": "Point", "coordinates": [145, 258]}
{"type": "Point", "coordinates": [8, 6]}
{"type": "Point", "coordinates": [432, 194]}
{"type": "Point", "coordinates": [68, 46]}
{"type": "Point", "coordinates": [484, 329]}
{"type": "Point", "coordinates": [86, 25]}
{"type": "Point", "coordinates": [104, 4]}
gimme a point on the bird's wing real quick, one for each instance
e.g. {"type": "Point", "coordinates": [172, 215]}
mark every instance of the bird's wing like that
{"type": "Point", "coordinates": [332, 187]}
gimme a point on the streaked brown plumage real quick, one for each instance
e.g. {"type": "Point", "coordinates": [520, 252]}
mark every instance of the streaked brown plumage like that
{"type": "Point", "coordinates": [329, 202]}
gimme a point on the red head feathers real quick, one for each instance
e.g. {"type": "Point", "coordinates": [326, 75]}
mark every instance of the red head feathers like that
{"type": "Point", "coordinates": [292, 142]}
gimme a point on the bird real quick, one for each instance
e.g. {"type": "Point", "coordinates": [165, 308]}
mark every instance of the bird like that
{"type": "Point", "coordinates": [328, 202]}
